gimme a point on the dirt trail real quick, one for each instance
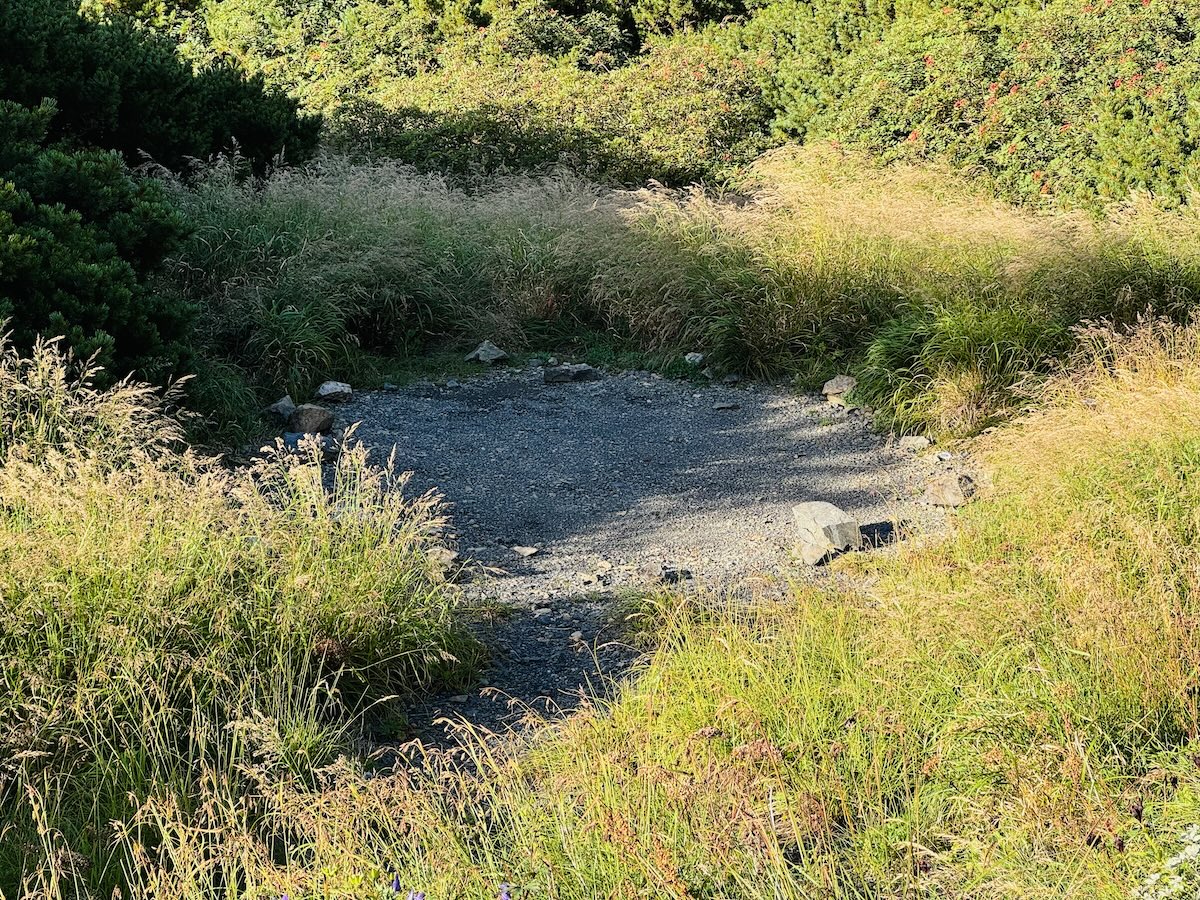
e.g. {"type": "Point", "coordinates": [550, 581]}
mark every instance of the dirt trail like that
{"type": "Point", "coordinates": [614, 479]}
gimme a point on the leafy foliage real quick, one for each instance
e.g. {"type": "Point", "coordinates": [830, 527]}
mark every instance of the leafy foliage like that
{"type": "Point", "coordinates": [123, 88]}
{"type": "Point", "coordinates": [1071, 99]}
{"type": "Point", "coordinates": [78, 236]}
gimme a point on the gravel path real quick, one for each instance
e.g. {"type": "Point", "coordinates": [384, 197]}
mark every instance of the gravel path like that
{"type": "Point", "coordinates": [616, 482]}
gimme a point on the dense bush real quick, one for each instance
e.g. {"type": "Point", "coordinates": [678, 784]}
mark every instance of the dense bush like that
{"type": "Point", "coordinates": [682, 111]}
{"type": "Point", "coordinates": [78, 237]}
{"type": "Point", "coordinates": [1070, 99]}
{"type": "Point", "coordinates": [123, 88]}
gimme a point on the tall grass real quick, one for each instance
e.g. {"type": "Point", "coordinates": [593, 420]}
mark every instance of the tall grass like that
{"type": "Point", "coordinates": [941, 299]}
{"type": "Point", "coordinates": [1010, 713]}
{"type": "Point", "coordinates": [169, 625]}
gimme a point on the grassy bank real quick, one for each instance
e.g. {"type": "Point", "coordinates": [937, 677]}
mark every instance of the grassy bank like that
{"type": "Point", "coordinates": [174, 634]}
{"type": "Point", "coordinates": [943, 300]}
{"type": "Point", "coordinates": [1009, 713]}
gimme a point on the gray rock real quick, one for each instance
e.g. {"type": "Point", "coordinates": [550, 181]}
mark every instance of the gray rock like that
{"type": "Point", "coordinates": [334, 392]}
{"type": "Point", "coordinates": [310, 419]}
{"type": "Point", "coordinates": [950, 489]}
{"type": "Point", "coordinates": [524, 552]}
{"type": "Point", "coordinates": [726, 404]}
{"type": "Point", "coordinates": [694, 359]}
{"type": "Point", "coordinates": [281, 410]}
{"type": "Point", "coordinates": [488, 353]}
{"type": "Point", "coordinates": [913, 443]}
{"type": "Point", "coordinates": [836, 388]}
{"type": "Point", "coordinates": [824, 530]}
{"type": "Point", "coordinates": [329, 447]}
{"type": "Point", "coordinates": [569, 373]}
{"type": "Point", "coordinates": [443, 556]}
{"type": "Point", "coordinates": [657, 573]}
{"type": "Point", "coordinates": [731, 378]}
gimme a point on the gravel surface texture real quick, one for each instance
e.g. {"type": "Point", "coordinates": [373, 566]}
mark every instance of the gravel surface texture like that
{"type": "Point", "coordinates": [614, 484]}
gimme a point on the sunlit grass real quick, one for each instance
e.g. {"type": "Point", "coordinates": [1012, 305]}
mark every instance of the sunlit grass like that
{"type": "Point", "coordinates": [942, 300]}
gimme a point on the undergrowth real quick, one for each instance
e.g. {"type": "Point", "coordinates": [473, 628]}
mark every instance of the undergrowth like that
{"type": "Point", "coordinates": [173, 631]}
{"type": "Point", "coordinates": [1010, 712]}
{"type": "Point", "coordinates": [942, 300]}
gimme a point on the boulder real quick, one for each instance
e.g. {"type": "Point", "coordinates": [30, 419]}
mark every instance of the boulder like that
{"type": "Point", "coordinates": [824, 530]}
{"type": "Point", "coordinates": [569, 373]}
{"type": "Point", "coordinates": [487, 353]}
{"type": "Point", "coordinates": [281, 410]}
{"type": "Point", "coordinates": [333, 392]}
{"type": "Point", "coordinates": [310, 419]}
{"type": "Point", "coordinates": [694, 359]}
{"type": "Point", "coordinates": [950, 489]}
{"type": "Point", "coordinates": [835, 389]}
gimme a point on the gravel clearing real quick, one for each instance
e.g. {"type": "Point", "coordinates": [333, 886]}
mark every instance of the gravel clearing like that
{"type": "Point", "coordinates": [615, 483]}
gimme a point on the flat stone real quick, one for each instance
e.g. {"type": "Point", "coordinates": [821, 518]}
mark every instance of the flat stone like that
{"type": "Point", "coordinates": [334, 392]}
{"type": "Point", "coordinates": [525, 552]}
{"type": "Point", "coordinates": [726, 404]}
{"type": "Point", "coordinates": [568, 373]}
{"type": "Point", "coordinates": [824, 530]}
{"type": "Point", "coordinates": [913, 443]}
{"type": "Point", "coordinates": [443, 556]}
{"type": "Point", "coordinates": [488, 353]}
{"type": "Point", "coordinates": [950, 489]}
{"type": "Point", "coordinates": [310, 419]}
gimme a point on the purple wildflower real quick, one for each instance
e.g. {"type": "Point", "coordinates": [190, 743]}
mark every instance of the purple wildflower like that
{"type": "Point", "coordinates": [504, 894]}
{"type": "Point", "coordinates": [395, 884]}
{"type": "Point", "coordinates": [416, 895]}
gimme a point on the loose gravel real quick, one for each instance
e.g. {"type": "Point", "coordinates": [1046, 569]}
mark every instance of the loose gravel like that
{"type": "Point", "coordinates": [616, 483]}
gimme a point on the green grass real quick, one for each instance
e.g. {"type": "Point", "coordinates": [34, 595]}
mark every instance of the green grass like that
{"type": "Point", "coordinates": [941, 300]}
{"type": "Point", "coordinates": [173, 632]}
{"type": "Point", "coordinates": [1008, 712]}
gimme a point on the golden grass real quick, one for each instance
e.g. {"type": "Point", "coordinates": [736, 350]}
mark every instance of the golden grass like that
{"type": "Point", "coordinates": [1008, 713]}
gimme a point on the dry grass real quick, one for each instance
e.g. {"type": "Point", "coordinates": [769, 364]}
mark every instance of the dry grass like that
{"type": "Point", "coordinates": [1010, 713]}
{"type": "Point", "coordinates": [169, 626]}
{"type": "Point", "coordinates": [942, 300]}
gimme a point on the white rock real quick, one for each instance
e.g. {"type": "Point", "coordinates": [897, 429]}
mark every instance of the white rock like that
{"type": "Point", "coordinates": [333, 392]}
{"type": "Point", "coordinates": [525, 552]}
{"type": "Point", "coordinates": [824, 530]}
{"type": "Point", "coordinates": [694, 359]}
{"type": "Point", "coordinates": [487, 352]}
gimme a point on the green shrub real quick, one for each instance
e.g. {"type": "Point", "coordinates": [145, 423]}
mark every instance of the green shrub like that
{"type": "Point", "coordinates": [1081, 101]}
{"type": "Point", "coordinates": [79, 235]}
{"type": "Point", "coordinates": [123, 88]}
{"type": "Point", "coordinates": [683, 111]}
